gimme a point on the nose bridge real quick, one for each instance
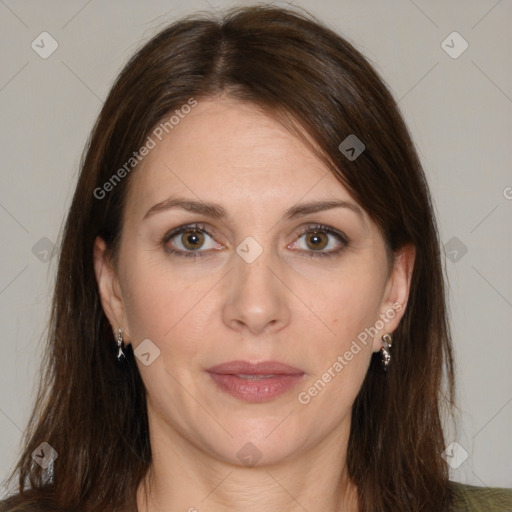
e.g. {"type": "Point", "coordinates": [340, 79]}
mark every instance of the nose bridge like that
{"type": "Point", "coordinates": [256, 274]}
{"type": "Point", "coordinates": [256, 299]}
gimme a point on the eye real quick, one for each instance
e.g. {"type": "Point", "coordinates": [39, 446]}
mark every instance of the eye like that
{"type": "Point", "coordinates": [194, 240]}
{"type": "Point", "coordinates": [190, 241]}
{"type": "Point", "coordinates": [320, 240]}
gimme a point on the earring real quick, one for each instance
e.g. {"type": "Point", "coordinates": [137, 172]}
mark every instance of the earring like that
{"type": "Point", "coordinates": [120, 354]}
{"type": "Point", "coordinates": [386, 356]}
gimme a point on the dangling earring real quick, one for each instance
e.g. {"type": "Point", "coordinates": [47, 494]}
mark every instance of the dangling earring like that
{"type": "Point", "coordinates": [386, 356]}
{"type": "Point", "coordinates": [120, 354]}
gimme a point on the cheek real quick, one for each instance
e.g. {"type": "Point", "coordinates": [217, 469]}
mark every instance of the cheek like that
{"type": "Point", "coordinates": [160, 301]}
{"type": "Point", "coordinates": [342, 357]}
{"type": "Point", "coordinates": [347, 304]}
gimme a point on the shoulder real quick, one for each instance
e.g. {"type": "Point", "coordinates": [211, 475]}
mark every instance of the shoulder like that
{"type": "Point", "coordinates": [470, 498]}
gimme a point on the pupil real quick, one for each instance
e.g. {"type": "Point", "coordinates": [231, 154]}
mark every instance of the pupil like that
{"type": "Point", "coordinates": [192, 240]}
{"type": "Point", "coordinates": [316, 240]}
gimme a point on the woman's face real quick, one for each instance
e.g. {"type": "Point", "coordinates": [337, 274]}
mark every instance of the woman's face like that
{"type": "Point", "coordinates": [257, 265]}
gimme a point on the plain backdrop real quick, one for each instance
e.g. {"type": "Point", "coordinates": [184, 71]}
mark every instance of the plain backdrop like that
{"type": "Point", "coordinates": [457, 102]}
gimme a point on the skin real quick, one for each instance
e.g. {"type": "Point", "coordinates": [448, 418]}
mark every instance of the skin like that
{"type": "Point", "coordinates": [289, 305]}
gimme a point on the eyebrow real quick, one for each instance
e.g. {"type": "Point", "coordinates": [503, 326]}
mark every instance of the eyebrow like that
{"type": "Point", "coordinates": [217, 211]}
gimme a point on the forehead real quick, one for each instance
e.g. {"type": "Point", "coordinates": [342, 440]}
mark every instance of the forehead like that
{"type": "Point", "coordinates": [228, 150]}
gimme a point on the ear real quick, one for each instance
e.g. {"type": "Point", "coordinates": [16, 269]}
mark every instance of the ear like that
{"type": "Point", "coordinates": [396, 293]}
{"type": "Point", "coordinates": [110, 290]}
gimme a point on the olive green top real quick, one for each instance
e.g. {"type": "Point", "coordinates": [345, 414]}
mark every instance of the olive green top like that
{"type": "Point", "coordinates": [470, 498]}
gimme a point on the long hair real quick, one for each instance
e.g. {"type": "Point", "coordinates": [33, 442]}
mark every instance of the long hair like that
{"type": "Point", "coordinates": [93, 411]}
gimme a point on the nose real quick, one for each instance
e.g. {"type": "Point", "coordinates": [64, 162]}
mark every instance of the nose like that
{"type": "Point", "coordinates": [256, 297]}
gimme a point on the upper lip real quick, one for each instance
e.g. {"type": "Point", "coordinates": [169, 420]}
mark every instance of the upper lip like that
{"type": "Point", "coordinates": [248, 368]}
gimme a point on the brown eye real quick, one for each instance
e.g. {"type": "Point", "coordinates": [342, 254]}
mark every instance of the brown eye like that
{"type": "Point", "coordinates": [316, 240]}
{"type": "Point", "coordinates": [320, 240]}
{"type": "Point", "coordinates": [192, 239]}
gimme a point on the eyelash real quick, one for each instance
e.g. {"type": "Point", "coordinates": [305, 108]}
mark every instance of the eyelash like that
{"type": "Point", "coordinates": [202, 227]}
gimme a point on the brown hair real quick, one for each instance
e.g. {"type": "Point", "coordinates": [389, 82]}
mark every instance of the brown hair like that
{"type": "Point", "coordinates": [93, 411]}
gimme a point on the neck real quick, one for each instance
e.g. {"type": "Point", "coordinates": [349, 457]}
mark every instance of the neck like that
{"type": "Point", "coordinates": [183, 477]}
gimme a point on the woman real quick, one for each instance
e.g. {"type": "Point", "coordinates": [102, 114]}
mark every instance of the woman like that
{"type": "Point", "coordinates": [249, 310]}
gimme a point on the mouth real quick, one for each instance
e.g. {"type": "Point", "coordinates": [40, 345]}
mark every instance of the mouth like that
{"type": "Point", "coordinates": [254, 377]}
{"type": "Point", "coordinates": [255, 382]}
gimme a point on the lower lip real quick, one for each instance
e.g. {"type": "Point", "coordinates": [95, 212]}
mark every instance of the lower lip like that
{"type": "Point", "coordinates": [261, 390]}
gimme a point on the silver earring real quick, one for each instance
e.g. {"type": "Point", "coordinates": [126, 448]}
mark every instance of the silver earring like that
{"type": "Point", "coordinates": [120, 353]}
{"type": "Point", "coordinates": [387, 339]}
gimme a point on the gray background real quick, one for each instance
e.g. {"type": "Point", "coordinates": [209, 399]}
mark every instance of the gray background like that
{"type": "Point", "coordinates": [458, 109]}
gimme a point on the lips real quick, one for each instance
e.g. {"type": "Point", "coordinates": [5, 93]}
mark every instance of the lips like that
{"type": "Point", "coordinates": [255, 382]}
{"type": "Point", "coordinates": [247, 368]}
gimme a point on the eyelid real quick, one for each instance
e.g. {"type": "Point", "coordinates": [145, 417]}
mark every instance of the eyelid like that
{"type": "Point", "coordinates": [198, 226]}
{"type": "Point", "coordinates": [342, 238]}
{"type": "Point", "coordinates": [312, 227]}
{"type": "Point", "coordinates": [328, 229]}
{"type": "Point", "coordinates": [179, 229]}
